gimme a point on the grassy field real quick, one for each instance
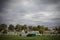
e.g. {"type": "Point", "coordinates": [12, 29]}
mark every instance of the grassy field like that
{"type": "Point", "coordinates": [10, 37]}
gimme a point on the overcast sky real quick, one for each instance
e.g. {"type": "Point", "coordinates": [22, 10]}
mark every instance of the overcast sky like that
{"type": "Point", "coordinates": [30, 12]}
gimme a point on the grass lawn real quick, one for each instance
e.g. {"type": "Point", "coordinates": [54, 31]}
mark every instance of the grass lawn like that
{"type": "Point", "coordinates": [11, 37]}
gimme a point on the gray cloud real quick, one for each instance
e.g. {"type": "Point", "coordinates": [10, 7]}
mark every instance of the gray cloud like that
{"type": "Point", "coordinates": [3, 4]}
{"type": "Point", "coordinates": [31, 12]}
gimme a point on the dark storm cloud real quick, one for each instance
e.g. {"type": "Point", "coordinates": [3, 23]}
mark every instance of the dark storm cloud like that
{"type": "Point", "coordinates": [44, 3]}
{"type": "Point", "coordinates": [3, 4]}
{"type": "Point", "coordinates": [0, 19]}
{"type": "Point", "coordinates": [55, 2]}
{"type": "Point", "coordinates": [43, 12]}
{"type": "Point", "coordinates": [48, 1]}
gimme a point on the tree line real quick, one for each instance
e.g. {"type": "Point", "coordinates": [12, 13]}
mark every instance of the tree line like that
{"type": "Point", "coordinates": [18, 28]}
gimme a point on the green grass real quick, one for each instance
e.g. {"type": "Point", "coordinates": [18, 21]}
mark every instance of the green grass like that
{"type": "Point", "coordinates": [11, 37]}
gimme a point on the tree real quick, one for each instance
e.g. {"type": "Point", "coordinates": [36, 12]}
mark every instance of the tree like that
{"type": "Point", "coordinates": [41, 29]}
{"type": "Point", "coordinates": [39, 26]}
{"type": "Point", "coordinates": [30, 28]}
{"type": "Point", "coordinates": [18, 27]}
{"type": "Point", "coordinates": [35, 28]}
{"type": "Point", "coordinates": [3, 28]}
{"type": "Point", "coordinates": [4, 31]}
{"type": "Point", "coordinates": [24, 27]}
{"type": "Point", "coordinates": [46, 29]}
{"type": "Point", "coordinates": [57, 29]}
{"type": "Point", "coordinates": [11, 27]}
